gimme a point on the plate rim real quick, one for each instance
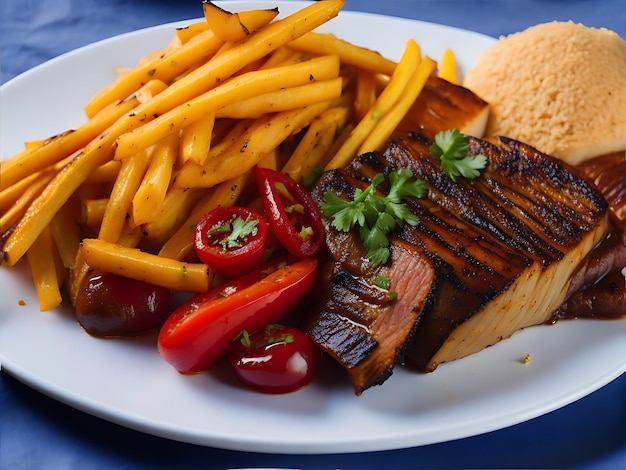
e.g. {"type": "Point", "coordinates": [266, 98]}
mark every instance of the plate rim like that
{"type": "Point", "coordinates": [54, 391]}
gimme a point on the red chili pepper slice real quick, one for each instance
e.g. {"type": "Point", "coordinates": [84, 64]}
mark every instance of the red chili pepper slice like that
{"type": "Point", "coordinates": [292, 213]}
{"type": "Point", "coordinates": [231, 240]}
{"type": "Point", "coordinates": [201, 330]}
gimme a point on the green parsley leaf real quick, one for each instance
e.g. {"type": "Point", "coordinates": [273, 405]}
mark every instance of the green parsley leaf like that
{"type": "Point", "coordinates": [376, 216]}
{"type": "Point", "coordinates": [238, 230]}
{"type": "Point", "coordinates": [451, 147]}
{"type": "Point", "coordinates": [382, 281]}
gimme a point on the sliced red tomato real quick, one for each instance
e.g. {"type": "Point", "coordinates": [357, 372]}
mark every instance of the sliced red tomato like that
{"type": "Point", "coordinates": [291, 213]}
{"type": "Point", "coordinates": [200, 331]}
{"type": "Point", "coordinates": [278, 359]}
{"type": "Point", "coordinates": [231, 240]}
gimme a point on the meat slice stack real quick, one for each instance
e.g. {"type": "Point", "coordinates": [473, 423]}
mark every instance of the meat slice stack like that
{"type": "Point", "coordinates": [490, 256]}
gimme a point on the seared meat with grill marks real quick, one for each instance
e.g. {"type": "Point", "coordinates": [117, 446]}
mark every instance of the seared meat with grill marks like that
{"type": "Point", "coordinates": [490, 256]}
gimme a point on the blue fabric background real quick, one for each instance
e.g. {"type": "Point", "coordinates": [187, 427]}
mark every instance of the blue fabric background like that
{"type": "Point", "coordinates": [37, 432]}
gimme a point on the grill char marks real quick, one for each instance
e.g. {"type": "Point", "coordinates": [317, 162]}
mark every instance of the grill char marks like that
{"type": "Point", "coordinates": [352, 319]}
{"type": "Point", "coordinates": [489, 257]}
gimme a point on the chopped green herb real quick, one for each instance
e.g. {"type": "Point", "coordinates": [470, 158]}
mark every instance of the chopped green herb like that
{"type": "Point", "coordinates": [376, 216]}
{"type": "Point", "coordinates": [238, 231]}
{"type": "Point", "coordinates": [451, 147]}
{"type": "Point", "coordinates": [382, 282]}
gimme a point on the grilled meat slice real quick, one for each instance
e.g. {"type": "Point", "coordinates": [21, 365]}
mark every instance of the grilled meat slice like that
{"type": "Point", "coordinates": [490, 256]}
{"type": "Point", "coordinates": [354, 320]}
{"type": "Point", "coordinates": [443, 105]}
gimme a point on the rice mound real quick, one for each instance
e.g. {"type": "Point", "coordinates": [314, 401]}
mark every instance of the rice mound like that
{"type": "Point", "coordinates": [558, 86]}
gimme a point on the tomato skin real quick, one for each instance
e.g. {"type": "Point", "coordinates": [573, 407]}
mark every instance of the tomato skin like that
{"type": "Point", "coordinates": [279, 367]}
{"type": "Point", "coordinates": [286, 227]}
{"type": "Point", "coordinates": [111, 305]}
{"type": "Point", "coordinates": [200, 331]}
{"type": "Point", "coordinates": [233, 262]}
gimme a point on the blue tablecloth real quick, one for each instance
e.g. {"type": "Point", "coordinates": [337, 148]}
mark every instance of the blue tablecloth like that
{"type": "Point", "coordinates": [37, 432]}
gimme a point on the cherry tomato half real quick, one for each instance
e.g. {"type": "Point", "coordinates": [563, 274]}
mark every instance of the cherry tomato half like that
{"type": "Point", "coordinates": [278, 359]}
{"type": "Point", "coordinates": [201, 330]}
{"type": "Point", "coordinates": [291, 213]}
{"type": "Point", "coordinates": [231, 240]}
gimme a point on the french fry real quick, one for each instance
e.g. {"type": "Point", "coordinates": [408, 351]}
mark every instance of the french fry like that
{"type": "Point", "coordinates": [385, 126]}
{"type": "Point", "coordinates": [176, 207]}
{"type": "Point", "coordinates": [238, 88]}
{"type": "Point", "coordinates": [164, 68]}
{"type": "Point", "coordinates": [387, 99]}
{"type": "Point", "coordinates": [323, 43]}
{"type": "Point", "coordinates": [270, 161]}
{"type": "Point", "coordinates": [66, 232]}
{"type": "Point", "coordinates": [128, 180]}
{"type": "Point", "coordinates": [447, 69]}
{"type": "Point", "coordinates": [316, 142]}
{"type": "Point", "coordinates": [105, 173]}
{"type": "Point", "coordinates": [234, 27]}
{"type": "Point", "coordinates": [10, 195]}
{"type": "Point", "coordinates": [150, 90]}
{"type": "Point", "coordinates": [186, 33]}
{"type": "Point", "coordinates": [93, 211]}
{"type": "Point", "coordinates": [227, 140]}
{"type": "Point", "coordinates": [365, 95]}
{"type": "Point", "coordinates": [263, 136]}
{"type": "Point", "coordinates": [222, 66]}
{"type": "Point", "coordinates": [149, 197]}
{"type": "Point", "coordinates": [195, 141]}
{"type": "Point", "coordinates": [282, 100]}
{"type": "Point", "coordinates": [44, 269]}
{"type": "Point", "coordinates": [59, 147]}
{"type": "Point", "coordinates": [142, 266]}
{"type": "Point", "coordinates": [226, 194]}
{"type": "Point", "coordinates": [19, 207]}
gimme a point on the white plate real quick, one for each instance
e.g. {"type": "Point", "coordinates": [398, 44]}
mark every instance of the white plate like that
{"type": "Point", "coordinates": [126, 381]}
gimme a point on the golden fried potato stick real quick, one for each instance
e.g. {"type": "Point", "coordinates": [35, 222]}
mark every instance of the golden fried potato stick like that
{"type": "Point", "coordinates": [380, 134]}
{"type": "Point", "coordinates": [150, 90]}
{"type": "Point", "coordinates": [10, 195]}
{"type": "Point", "coordinates": [238, 88]}
{"type": "Point", "coordinates": [222, 66]}
{"type": "Point", "coordinates": [19, 207]}
{"type": "Point", "coordinates": [195, 141]}
{"type": "Point", "coordinates": [128, 180]}
{"type": "Point", "coordinates": [176, 207]}
{"type": "Point", "coordinates": [44, 267]}
{"type": "Point", "coordinates": [316, 142]}
{"type": "Point", "coordinates": [149, 197]}
{"type": "Point", "coordinates": [136, 264]}
{"type": "Point", "coordinates": [163, 67]}
{"type": "Point", "coordinates": [227, 140]}
{"type": "Point", "coordinates": [185, 33]}
{"type": "Point", "coordinates": [447, 69]}
{"type": "Point", "coordinates": [235, 27]}
{"type": "Point", "coordinates": [249, 148]}
{"type": "Point", "coordinates": [92, 211]}
{"type": "Point", "coordinates": [365, 94]}
{"type": "Point", "coordinates": [59, 147]}
{"type": "Point", "coordinates": [282, 100]}
{"type": "Point", "coordinates": [324, 43]}
{"type": "Point", "coordinates": [66, 232]}
{"type": "Point", "coordinates": [226, 194]}
{"type": "Point", "coordinates": [105, 173]}
{"type": "Point", "coordinates": [386, 100]}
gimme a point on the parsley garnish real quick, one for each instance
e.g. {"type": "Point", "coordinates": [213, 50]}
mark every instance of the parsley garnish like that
{"type": "Point", "coordinates": [451, 147]}
{"type": "Point", "coordinates": [375, 215]}
{"type": "Point", "coordinates": [237, 229]}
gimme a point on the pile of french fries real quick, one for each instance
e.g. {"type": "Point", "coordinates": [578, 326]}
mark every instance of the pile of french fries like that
{"type": "Point", "coordinates": [180, 134]}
